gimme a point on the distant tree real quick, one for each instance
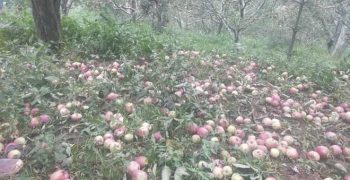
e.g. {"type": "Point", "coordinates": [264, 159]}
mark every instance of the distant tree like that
{"type": "Point", "coordinates": [295, 28]}
{"type": "Point", "coordinates": [182, 12]}
{"type": "Point", "coordinates": [157, 11]}
{"type": "Point", "coordinates": [160, 17]}
{"type": "Point", "coordinates": [333, 15]}
{"type": "Point", "coordinates": [46, 15]}
{"type": "Point", "coordinates": [238, 15]}
{"type": "Point", "coordinates": [128, 7]}
{"type": "Point", "coordinates": [133, 5]}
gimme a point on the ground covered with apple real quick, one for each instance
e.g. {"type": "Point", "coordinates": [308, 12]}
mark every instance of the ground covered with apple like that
{"type": "Point", "coordinates": [180, 115]}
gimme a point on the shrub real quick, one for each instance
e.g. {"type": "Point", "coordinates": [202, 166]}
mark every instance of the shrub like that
{"type": "Point", "coordinates": [111, 39]}
{"type": "Point", "coordinates": [97, 36]}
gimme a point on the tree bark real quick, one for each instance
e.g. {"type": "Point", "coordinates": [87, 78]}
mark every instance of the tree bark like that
{"type": "Point", "coordinates": [295, 30]}
{"type": "Point", "coordinates": [46, 14]}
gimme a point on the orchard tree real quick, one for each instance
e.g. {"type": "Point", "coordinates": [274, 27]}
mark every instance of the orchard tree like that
{"type": "Point", "coordinates": [209, 21]}
{"type": "Point", "coordinates": [238, 15]}
{"type": "Point", "coordinates": [46, 14]}
{"type": "Point", "coordinates": [157, 10]}
{"type": "Point", "coordinates": [128, 7]}
{"type": "Point", "coordinates": [184, 13]}
{"type": "Point", "coordinates": [161, 15]}
{"type": "Point", "coordinates": [295, 28]}
{"type": "Point", "coordinates": [334, 17]}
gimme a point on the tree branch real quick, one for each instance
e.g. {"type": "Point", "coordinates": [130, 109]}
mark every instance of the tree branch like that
{"type": "Point", "coordinates": [122, 8]}
{"type": "Point", "coordinates": [223, 19]}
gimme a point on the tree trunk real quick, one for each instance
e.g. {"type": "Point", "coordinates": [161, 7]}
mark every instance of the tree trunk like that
{"type": "Point", "coordinates": [221, 24]}
{"type": "Point", "coordinates": [179, 22]}
{"type": "Point", "coordinates": [339, 41]}
{"type": "Point", "coordinates": [46, 15]}
{"type": "Point", "coordinates": [133, 10]}
{"type": "Point", "coordinates": [161, 15]}
{"type": "Point", "coordinates": [241, 8]}
{"type": "Point", "coordinates": [236, 36]}
{"type": "Point", "coordinates": [204, 26]}
{"type": "Point", "coordinates": [295, 31]}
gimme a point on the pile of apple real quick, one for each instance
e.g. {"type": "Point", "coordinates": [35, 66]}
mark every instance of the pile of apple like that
{"type": "Point", "coordinates": [259, 138]}
{"type": "Point", "coordinates": [94, 71]}
{"type": "Point", "coordinates": [13, 149]}
{"type": "Point", "coordinates": [120, 134]}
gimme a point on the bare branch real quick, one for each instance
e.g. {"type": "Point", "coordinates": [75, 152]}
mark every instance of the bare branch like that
{"type": "Point", "coordinates": [318, 17]}
{"type": "Point", "coordinates": [230, 28]}
{"type": "Point", "coordinates": [253, 17]}
{"type": "Point", "coordinates": [246, 3]}
{"type": "Point", "coordinates": [122, 8]}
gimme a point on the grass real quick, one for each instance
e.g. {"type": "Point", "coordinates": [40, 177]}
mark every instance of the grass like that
{"type": "Point", "coordinates": [312, 61]}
